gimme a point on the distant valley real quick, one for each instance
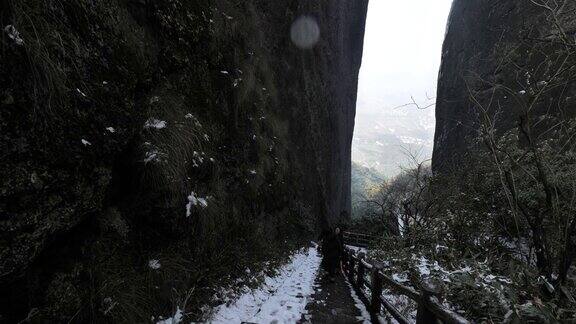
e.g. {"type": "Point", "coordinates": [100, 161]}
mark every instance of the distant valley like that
{"type": "Point", "coordinates": [383, 137]}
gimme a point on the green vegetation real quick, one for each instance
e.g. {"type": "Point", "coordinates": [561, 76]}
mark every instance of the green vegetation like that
{"type": "Point", "coordinates": [497, 231]}
{"type": "Point", "coordinates": [458, 232]}
{"type": "Point", "coordinates": [364, 182]}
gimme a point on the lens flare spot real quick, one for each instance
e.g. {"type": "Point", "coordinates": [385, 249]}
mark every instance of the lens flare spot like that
{"type": "Point", "coordinates": [305, 32]}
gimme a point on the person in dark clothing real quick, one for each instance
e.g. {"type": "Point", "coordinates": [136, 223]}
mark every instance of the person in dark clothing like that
{"type": "Point", "coordinates": [332, 249]}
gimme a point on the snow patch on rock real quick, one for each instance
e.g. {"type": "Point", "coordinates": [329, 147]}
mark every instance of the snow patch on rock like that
{"type": "Point", "coordinates": [14, 34]}
{"type": "Point", "coordinates": [155, 123]}
{"type": "Point", "coordinates": [154, 264]}
{"type": "Point", "coordinates": [194, 200]}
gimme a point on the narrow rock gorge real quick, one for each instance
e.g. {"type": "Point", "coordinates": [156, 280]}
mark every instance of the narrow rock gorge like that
{"type": "Point", "coordinates": [139, 135]}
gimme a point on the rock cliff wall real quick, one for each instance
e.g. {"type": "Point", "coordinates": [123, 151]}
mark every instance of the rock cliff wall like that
{"type": "Point", "coordinates": [496, 56]}
{"type": "Point", "coordinates": [185, 132]}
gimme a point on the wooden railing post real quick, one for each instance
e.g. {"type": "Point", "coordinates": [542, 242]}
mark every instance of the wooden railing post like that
{"type": "Point", "coordinates": [425, 315]}
{"type": "Point", "coordinates": [351, 269]}
{"type": "Point", "coordinates": [361, 272]}
{"type": "Point", "coordinates": [376, 295]}
{"type": "Point", "coordinates": [430, 309]}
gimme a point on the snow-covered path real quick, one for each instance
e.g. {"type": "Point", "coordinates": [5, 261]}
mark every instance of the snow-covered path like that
{"type": "Point", "coordinates": [335, 302]}
{"type": "Point", "coordinates": [282, 299]}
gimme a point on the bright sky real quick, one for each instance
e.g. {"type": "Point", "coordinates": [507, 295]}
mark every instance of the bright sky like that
{"type": "Point", "coordinates": [402, 51]}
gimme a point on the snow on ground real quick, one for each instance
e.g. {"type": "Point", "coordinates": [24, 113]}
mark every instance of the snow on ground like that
{"type": "Point", "coordinates": [364, 314]}
{"type": "Point", "coordinates": [356, 248]}
{"type": "Point", "coordinates": [282, 298]}
{"type": "Point", "coordinates": [403, 304]}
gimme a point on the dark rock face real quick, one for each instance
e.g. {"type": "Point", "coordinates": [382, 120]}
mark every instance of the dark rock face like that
{"type": "Point", "coordinates": [327, 107]}
{"type": "Point", "coordinates": [132, 130]}
{"type": "Point", "coordinates": [488, 44]}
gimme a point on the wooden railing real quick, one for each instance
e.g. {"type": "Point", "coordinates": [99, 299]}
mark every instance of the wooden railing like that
{"type": "Point", "coordinates": [430, 310]}
{"type": "Point", "coordinates": [358, 239]}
